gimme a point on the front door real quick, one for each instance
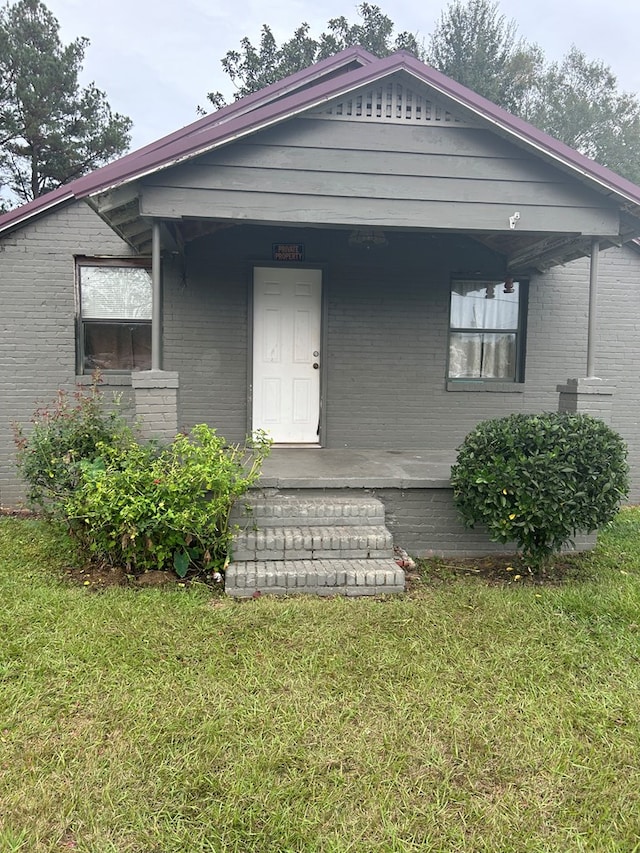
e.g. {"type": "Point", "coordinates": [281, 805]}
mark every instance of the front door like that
{"type": "Point", "coordinates": [286, 353]}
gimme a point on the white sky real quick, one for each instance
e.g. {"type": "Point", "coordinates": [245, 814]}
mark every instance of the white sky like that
{"type": "Point", "coordinates": [156, 59]}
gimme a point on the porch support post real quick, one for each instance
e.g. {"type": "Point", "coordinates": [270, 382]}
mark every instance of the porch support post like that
{"type": "Point", "coordinates": [591, 396]}
{"type": "Point", "coordinates": [156, 390]}
{"type": "Point", "coordinates": [156, 395]}
{"type": "Point", "coordinates": [593, 307]}
{"type": "Point", "coordinates": [156, 310]}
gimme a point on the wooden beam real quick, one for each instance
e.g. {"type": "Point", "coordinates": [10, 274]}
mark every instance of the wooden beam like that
{"type": "Point", "coordinates": [134, 229]}
{"type": "Point", "coordinates": [112, 199]}
{"type": "Point", "coordinates": [292, 208]}
{"type": "Point", "coordinates": [542, 249]}
{"type": "Point", "coordinates": [120, 216]}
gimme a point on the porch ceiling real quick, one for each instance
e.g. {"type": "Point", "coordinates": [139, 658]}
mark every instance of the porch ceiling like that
{"type": "Point", "coordinates": [523, 252]}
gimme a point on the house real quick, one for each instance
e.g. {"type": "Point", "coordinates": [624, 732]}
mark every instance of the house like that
{"type": "Point", "coordinates": [364, 259]}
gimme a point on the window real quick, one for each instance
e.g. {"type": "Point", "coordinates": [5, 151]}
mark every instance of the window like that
{"type": "Point", "coordinates": [115, 316]}
{"type": "Point", "coordinates": [486, 336]}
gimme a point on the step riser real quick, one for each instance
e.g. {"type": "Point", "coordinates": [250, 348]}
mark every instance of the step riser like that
{"type": "Point", "coordinates": [289, 545]}
{"type": "Point", "coordinates": [320, 577]}
{"type": "Point", "coordinates": [292, 512]}
{"type": "Point", "coordinates": [303, 554]}
{"type": "Point", "coordinates": [313, 543]}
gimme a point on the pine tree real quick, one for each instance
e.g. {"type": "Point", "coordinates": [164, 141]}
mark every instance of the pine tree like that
{"type": "Point", "coordinates": [51, 129]}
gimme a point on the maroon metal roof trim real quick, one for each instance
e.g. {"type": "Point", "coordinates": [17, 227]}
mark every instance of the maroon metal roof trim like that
{"type": "Point", "coordinates": [287, 98]}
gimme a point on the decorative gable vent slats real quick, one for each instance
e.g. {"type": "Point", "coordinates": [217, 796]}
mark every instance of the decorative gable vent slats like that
{"type": "Point", "coordinates": [390, 102]}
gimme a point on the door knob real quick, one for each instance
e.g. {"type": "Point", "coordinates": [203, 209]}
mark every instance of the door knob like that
{"type": "Point", "coordinates": [315, 365]}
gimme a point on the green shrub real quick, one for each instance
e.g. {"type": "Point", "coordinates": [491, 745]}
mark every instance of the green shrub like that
{"type": "Point", "coordinates": [164, 509]}
{"type": "Point", "coordinates": [538, 480]}
{"type": "Point", "coordinates": [64, 434]}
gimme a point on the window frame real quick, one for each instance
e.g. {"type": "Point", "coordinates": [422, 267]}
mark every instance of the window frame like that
{"type": "Point", "coordinates": [520, 333]}
{"type": "Point", "coordinates": [113, 263]}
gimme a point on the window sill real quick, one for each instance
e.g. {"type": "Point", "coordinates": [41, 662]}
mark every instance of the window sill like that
{"type": "Point", "coordinates": [106, 379]}
{"type": "Point", "coordinates": [481, 385]}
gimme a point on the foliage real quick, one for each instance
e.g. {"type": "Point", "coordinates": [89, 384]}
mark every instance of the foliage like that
{"type": "Point", "coordinates": [130, 503]}
{"type": "Point", "coordinates": [51, 129]}
{"type": "Point", "coordinates": [252, 68]}
{"type": "Point", "coordinates": [577, 100]}
{"type": "Point", "coordinates": [71, 430]}
{"type": "Point", "coordinates": [539, 479]}
{"type": "Point", "coordinates": [166, 509]}
{"type": "Point", "coordinates": [475, 45]}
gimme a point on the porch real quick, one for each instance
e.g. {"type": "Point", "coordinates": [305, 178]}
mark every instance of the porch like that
{"type": "Point", "coordinates": [350, 468]}
{"type": "Point", "coordinates": [413, 487]}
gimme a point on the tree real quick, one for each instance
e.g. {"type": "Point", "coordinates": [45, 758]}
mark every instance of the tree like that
{"type": "Point", "coordinates": [51, 129]}
{"type": "Point", "coordinates": [475, 45]}
{"type": "Point", "coordinates": [577, 100]}
{"type": "Point", "coordinates": [252, 68]}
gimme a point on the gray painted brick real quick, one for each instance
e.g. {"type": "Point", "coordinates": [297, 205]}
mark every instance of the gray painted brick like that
{"type": "Point", "coordinates": [317, 577]}
{"type": "Point", "coordinates": [385, 345]}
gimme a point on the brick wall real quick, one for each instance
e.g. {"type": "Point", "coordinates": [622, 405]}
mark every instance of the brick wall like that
{"type": "Point", "coordinates": [385, 337]}
{"type": "Point", "coordinates": [37, 317]}
{"type": "Point", "coordinates": [425, 523]}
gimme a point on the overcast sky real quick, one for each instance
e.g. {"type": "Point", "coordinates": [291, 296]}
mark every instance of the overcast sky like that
{"type": "Point", "coordinates": [156, 59]}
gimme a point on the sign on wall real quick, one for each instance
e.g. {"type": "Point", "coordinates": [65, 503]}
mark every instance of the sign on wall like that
{"type": "Point", "coordinates": [287, 252]}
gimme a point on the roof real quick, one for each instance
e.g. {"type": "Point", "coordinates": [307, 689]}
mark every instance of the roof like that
{"type": "Point", "coordinates": [191, 137]}
{"type": "Point", "coordinates": [331, 78]}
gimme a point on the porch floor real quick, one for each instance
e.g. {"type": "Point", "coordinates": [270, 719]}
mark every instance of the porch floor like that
{"type": "Point", "coordinates": [331, 468]}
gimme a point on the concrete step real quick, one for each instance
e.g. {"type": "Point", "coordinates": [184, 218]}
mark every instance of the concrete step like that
{"type": "Point", "coordinates": [313, 543]}
{"type": "Point", "coordinates": [291, 511]}
{"type": "Point", "coordinates": [243, 579]}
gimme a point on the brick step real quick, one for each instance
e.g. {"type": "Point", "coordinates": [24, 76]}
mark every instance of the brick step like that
{"type": "Point", "coordinates": [313, 543]}
{"type": "Point", "coordinates": [291, 511]}
{"type": "Point", "coordinates": [313, 577]}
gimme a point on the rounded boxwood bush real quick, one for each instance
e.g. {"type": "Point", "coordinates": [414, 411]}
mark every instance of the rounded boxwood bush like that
{"type": "Point", "coordinates": [538, 480]}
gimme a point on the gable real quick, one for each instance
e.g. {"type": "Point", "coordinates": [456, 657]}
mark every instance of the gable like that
{"type": "Point", "coordinates": [397, 100]}
{"type": "Point", "coordinates": [374, 177]}
{"type": "Point", "coordinates": [432, 172]}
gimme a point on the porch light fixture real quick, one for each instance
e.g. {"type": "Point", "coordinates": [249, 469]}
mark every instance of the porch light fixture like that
{"type": "Point", "coordinates": [367, 238]}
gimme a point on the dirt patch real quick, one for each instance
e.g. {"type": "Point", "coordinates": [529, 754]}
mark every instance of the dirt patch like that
{"type": "Point", "coordinates": [17, 512]}
{"type": "Point", "coordinates": [97, 575]}
{"type": "Point", "coordinates": [500, 569]}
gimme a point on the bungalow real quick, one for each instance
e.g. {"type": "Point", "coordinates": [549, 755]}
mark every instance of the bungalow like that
{"type": "Point", "coordinates": [364, 259]}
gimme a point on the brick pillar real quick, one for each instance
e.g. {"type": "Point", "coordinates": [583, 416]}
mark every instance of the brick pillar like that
{"type": "Point", "coordinates": [588, 396]}
{"type": "Point", "coordinates": [156, 395]}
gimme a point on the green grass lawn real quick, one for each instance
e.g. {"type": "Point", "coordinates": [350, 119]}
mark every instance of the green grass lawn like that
{"type": "Point", "coordinates": [461, 717]}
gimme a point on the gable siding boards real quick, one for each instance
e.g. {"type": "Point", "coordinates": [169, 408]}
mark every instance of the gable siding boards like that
{"type": "Point", "coordinates": [37, 317]}
{"type": "Point", "coordinates": [350, 173]}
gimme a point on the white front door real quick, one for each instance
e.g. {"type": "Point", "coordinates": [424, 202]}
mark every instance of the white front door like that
{"type": "Point", "coordinates": [286, 353]}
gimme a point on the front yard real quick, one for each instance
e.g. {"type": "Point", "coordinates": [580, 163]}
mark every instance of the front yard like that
{"type": "Point", "coordinates": [465, 716]}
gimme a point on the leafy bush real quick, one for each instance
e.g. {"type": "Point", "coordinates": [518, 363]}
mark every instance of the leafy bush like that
{"type": "Point", "coordinates": [63, 435]}
{"type": "Point", "coordinates": [164, 509]}
{"type": "Point", "coordinates": [538, 480]}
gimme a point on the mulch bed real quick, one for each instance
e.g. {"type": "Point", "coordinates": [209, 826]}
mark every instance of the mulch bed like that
{"type": "Point", "coordinates": [496, 569]}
